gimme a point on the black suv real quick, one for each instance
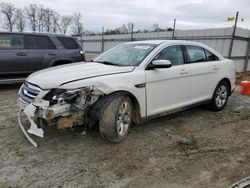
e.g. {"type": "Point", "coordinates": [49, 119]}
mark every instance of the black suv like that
{"type": "Point", "coordinates": [24, 53]}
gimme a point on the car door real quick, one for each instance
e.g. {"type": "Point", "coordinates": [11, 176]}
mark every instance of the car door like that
{"type": "Point", "coordinates": [203, 71]}
{"type": "Point", "coordinates": [167, 88]}
{"type": "Point", "coordinates": [13, 55]}
{"type": "Point", "coordinates": [41, 52]}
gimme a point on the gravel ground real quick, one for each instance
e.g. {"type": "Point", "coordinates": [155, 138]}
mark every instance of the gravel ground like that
{"type": "Point", "coordinates": [150, 157]}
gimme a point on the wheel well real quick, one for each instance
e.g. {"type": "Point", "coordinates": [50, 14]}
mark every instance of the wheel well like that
{"type": "Point", "coordinates": [228, 82]}
{"type": "Point", "coordinates": [61, 62]}
{"type": "Point", "coordinates": [136, 110]}
{"type": "Point", "coordinates": [103, 102]}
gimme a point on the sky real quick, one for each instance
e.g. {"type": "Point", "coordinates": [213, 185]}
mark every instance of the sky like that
{"type": "Point", "coordinates": [190, 14]}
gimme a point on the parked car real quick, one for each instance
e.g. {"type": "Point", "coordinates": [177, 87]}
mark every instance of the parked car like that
{"type": "Point", "coordinates": [125, 85]}
{"type": "Point", "coordinates": [22, 53]}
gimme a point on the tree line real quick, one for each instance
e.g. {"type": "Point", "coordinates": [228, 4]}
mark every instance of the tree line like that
{"type": "Point", "coordinates": [43, 19]}
{"type": "Point", "coordinates": [129, 28]}
{"type": "Point", "coordinates": [39, 19]}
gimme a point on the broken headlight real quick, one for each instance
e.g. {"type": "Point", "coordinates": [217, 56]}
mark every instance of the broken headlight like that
{"type": "Point", "coordinates": [76, 96]}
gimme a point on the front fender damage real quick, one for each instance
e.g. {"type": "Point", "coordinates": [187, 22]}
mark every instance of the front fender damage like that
{"type": "Point", "coordinates": [64, 115]}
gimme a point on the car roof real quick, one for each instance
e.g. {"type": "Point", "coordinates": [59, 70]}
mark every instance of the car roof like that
{"type": "Point", "coordinates": [157, 42]}
{"type": "Point", "coordinates": [177, 42]}
{"type": "Point", "coordinates": [35, 33]}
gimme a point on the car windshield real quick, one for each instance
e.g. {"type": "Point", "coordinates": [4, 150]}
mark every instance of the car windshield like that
{"type": "Point", "coordinates": [126, 55]}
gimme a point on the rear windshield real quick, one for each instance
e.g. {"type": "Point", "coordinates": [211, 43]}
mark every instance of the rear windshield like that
{"type": "Point", "coordinates": [68, 43]}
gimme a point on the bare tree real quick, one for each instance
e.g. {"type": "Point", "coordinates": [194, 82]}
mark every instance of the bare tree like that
{"type": "Point", "coordinates": [65, 23]}
{"type": "Point", "coordinates": [31, 12]}
{"type": "Point", "coordinates": [8, 9]}
{"type": "Point", "coordinates": [40, 18]}
{"type": "Point", "coordinates": [123, 29]}
{"type": "Point", "coordinates": [77, 27]}
{"type": "Point", "coordinates": [127, 28]}
{"type": "Point", "coordinates": [155, 27]}
{"type": "Point", "coordinates": [20, 20]}
{"type": "Point", "coordinates": [48, 17]}
{"type": "Point", "coordinates": [130, 27]}
{"type": "Point", "coordinates": [55, 21]}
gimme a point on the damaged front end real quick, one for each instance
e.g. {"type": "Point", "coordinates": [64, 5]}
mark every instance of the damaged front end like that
{"type": "Point", "coordinates": [57, 107]}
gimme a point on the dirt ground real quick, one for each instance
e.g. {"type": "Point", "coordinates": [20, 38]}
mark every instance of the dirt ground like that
{"type": "Point", "coordinates": [150, 157]}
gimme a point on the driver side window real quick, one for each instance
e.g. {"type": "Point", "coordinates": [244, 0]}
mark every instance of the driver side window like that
{"type": "Point", "coordinates": [173, 54]}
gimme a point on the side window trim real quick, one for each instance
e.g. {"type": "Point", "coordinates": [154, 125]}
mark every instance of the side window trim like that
{"type": "Point", "coordinates": [205, 54]}
{"type": "Point", "coordinates": [185, 54]}
{"type": "Point", "coordinates": [25, 41]}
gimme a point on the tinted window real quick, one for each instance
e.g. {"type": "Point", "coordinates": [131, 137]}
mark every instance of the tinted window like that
{"type": "Point", "coordinates": [9, 41]}
{"type": "Point", "coordinates": [173, 54]}
{"type": "Point", "coordinates": [68, 43]}
{"type": "Point", "coordinates": [39, 42]}
{"type": "Point", "coordinates": [210, 56]}
{"type": "Point", "coordinates": [196, 54]}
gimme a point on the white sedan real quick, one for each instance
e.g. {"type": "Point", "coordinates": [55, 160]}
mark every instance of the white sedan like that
{"type": "Point", "coordinates": [126, 85]}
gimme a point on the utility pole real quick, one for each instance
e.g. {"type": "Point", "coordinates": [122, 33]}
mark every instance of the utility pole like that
{"type": "Point", "coordinates": [81, 33]}
{"type": "Point", "coordinates": [173, 29]}
{"type": "Point", "coordinates": [233, 36]}
{"type": "Point", "coordinates": [247, 57]}
{"type": "Point", "coordinates": [102, 39]}
{"type": "Point", "coordinates": [81, 40]}
{"type": "Point", "coordinates": [132, 31]}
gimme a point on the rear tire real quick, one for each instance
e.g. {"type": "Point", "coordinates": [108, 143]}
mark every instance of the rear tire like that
{"type": "Point", "coordinates": [116, 119]}
{"type": "Point", "coordinates": [220, 96]}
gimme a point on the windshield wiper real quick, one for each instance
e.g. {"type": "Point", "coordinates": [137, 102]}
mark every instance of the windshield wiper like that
{"type": "Point", "coordinates": [107, 63]}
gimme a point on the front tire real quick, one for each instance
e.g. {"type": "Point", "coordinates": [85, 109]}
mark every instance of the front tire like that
{"type": "Point", "coordinates": [220, 96]}
{"type": "Point", "coordinates": [116, 119]}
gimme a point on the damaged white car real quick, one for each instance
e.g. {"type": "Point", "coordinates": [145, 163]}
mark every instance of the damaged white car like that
{"type": "Point", "coordinates": [125, 85]}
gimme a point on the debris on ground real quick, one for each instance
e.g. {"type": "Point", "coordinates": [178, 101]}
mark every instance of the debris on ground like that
{"type": "Point", "coordinates": [187, 141]}
{"type": "Point", "coordinates": [150, 157]}
{"type": "Point", "coordinates": [244, 183]}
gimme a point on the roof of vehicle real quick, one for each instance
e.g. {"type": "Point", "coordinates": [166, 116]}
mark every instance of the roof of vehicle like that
{"type": "Point", "coordinates": [157, 42]}
{"type": "Point", "coordinates": [35, 33]}
{"type": "Point", "coordinates": [177, 42]}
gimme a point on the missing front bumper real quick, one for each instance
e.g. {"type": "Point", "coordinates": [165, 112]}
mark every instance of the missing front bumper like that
{"type": "Point", "coordinates": [32, 130]}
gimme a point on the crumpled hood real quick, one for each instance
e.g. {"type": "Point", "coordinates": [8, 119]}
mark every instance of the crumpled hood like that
{"type": "Point", "coordinates": [56, 76]}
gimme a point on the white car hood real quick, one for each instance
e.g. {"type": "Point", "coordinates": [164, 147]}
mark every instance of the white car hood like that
{"type": "Point", "coordinates": [56, 76]}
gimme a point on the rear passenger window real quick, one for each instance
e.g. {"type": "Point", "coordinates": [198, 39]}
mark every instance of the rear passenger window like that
{"type": "Point", "coordinates": [211, 57]}
{"type": "Point", "coordinates": [196, 54]}
{"type": "Point", "coordinates": [10, 41]}
{"type": "Point", "coordinates": [173, 54]}
{"type": "Point", "coordinates": [39, 42]}
{"type": "Point", "coordinates": [68, 43]}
